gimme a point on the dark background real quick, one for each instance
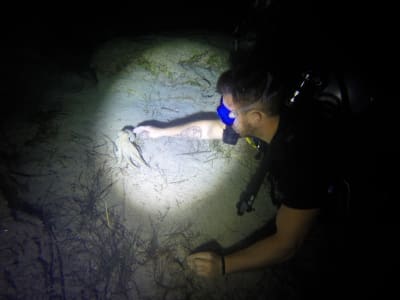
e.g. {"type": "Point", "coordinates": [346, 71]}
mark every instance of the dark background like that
{"type": "Point", "coordinates": [350, 28]}
{"type": "Point", "coordinates": [335, 34]}
{"type": "Point", "coordinates": [297, 35]}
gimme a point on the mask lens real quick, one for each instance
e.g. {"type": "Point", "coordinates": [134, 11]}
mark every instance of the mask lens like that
{"type": "Point", "coordinates": [232, 115]}
{"type": "Point", "coordinates": [225, 114]}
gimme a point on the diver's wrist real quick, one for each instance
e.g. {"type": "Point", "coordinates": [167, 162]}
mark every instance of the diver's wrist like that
{"type": "Point", "coordinates": [223, 271]}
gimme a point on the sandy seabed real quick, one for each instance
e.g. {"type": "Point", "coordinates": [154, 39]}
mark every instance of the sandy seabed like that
{"type": "Point", "coordinates": [83, 224]}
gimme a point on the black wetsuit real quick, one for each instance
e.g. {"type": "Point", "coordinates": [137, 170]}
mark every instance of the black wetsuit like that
{"type": "Point", "coordinates": [299, 160]}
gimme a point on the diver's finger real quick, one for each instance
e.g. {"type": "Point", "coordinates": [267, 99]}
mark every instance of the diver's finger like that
{"type": "Point", "coordinates": [201, 255]}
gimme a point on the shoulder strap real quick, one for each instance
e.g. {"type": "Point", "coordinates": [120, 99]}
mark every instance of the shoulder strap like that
{"type": "Point", "coordinates": [248, 196]}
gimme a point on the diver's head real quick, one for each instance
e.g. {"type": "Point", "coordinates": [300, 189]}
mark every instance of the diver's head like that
{"type": "Point", "coordinates": [250, 96]}
{"type": "Point", "coordinates": [251, 83]}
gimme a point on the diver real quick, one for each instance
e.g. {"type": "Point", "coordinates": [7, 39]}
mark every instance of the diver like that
{"type": "Point", "coordinates": [252, 105]}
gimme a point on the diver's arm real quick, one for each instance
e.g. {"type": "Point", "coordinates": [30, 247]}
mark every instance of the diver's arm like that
{"type": "Point", "coordinates": [292, 227]}
{"type": "Point", "coordinates": [203, 129]}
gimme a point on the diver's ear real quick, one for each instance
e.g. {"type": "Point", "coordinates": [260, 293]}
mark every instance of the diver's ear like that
{"type": "Point", "coordinates": [256, 117]}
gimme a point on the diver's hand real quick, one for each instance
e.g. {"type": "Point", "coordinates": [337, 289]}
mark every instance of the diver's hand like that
{"type": "Point", "coordinates": [206, 264]}
{"type": "Point", "coordinates": [147, 131]}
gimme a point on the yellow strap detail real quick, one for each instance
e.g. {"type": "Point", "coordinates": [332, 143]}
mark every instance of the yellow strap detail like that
{"type": "Point", "coordinates": [250, 141]}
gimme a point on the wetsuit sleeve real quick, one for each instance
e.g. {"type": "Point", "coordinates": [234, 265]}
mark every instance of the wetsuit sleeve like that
{"type": "Point", "coordinates": [230, 136]}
